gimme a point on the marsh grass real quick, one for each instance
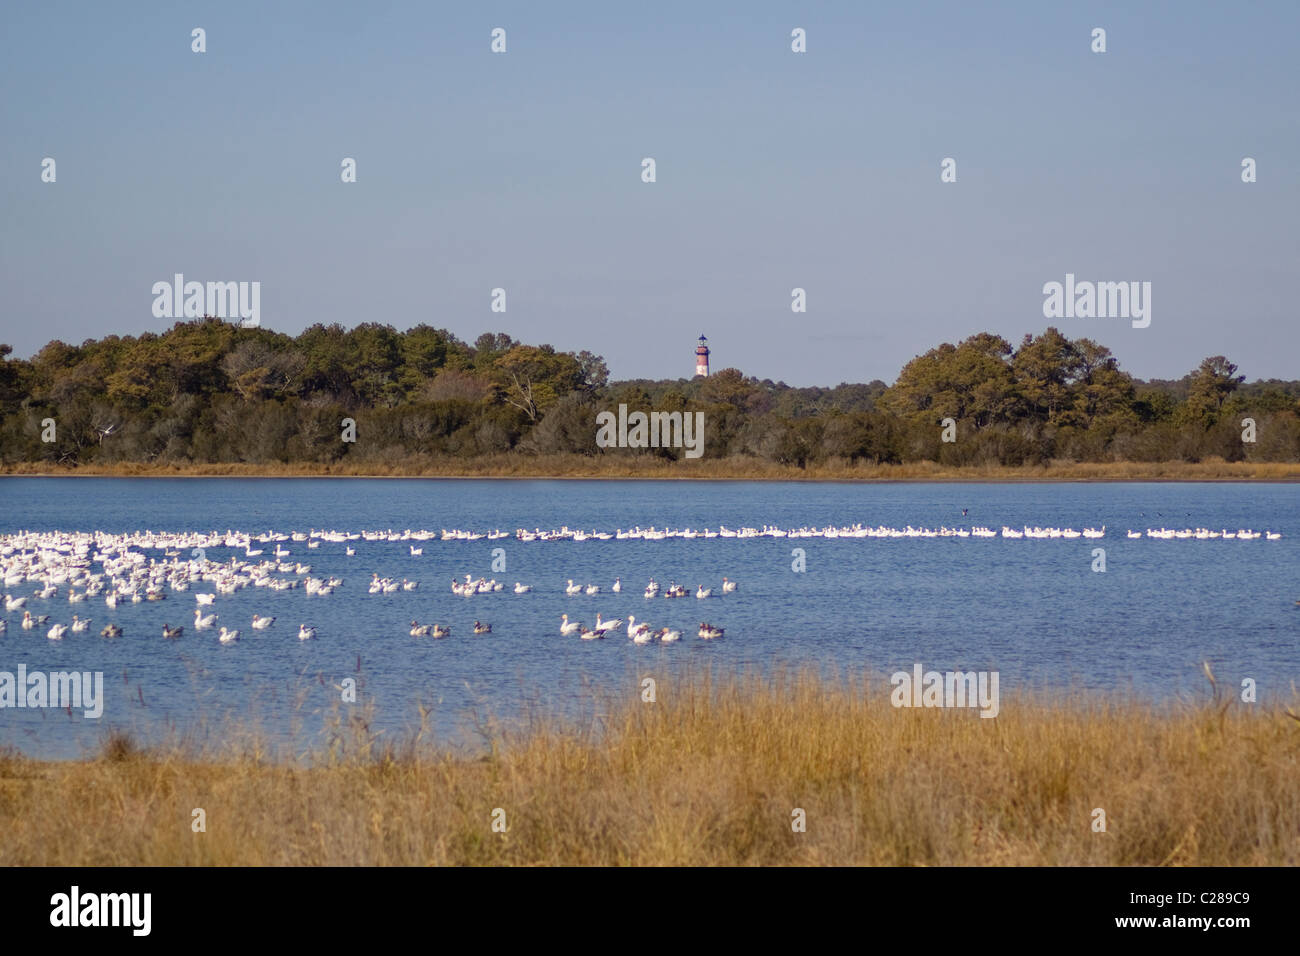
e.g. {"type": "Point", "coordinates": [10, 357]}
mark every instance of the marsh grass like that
{"type": "Point", "coordinates": [708, 774]}
{"type": "Point", "coordinates": [516, 465]}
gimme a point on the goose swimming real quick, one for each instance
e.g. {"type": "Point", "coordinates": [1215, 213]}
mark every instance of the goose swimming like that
{"type": "Point", "coordinates": [200, 621]}
{"type": "Point", "coordinates": [728, 586]}
{"type": "Point", "coordinates": [708, 631]}
{"type": "Point", "coordinates": [171, 633]}
{"type": "Point", "coordinates": [635, 630]}
{"type": "Point", "coordinates": [667, 636]}
{"type": "Point", "coordinates": [522, 588]}
{"type": "Point", "coordinates": [111, 630]}
{"type": "Point", "coordinates": [261, 623]}
{"type": "Point", "coordinates": [79, 624]}
{"type": "Point", "coordinates": [703, 592]}
{"type": "Point", "coordinates": [56, 632]}
{"type": "Point", "coordinates": [567, 627]}
{"type": "Point", "coordinates": [228, 636]}
{"type": "Point", "coordinates": [482, 628]}
{"type": "Point", "coordinates": [439, 631]}
{"type": "Point", "coordinates": [306, 633]}
{"type": "Point", "coordinates": [420, 630]}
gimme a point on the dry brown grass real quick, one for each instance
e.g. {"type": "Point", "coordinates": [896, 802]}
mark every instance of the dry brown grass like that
{"type": "Point", "coordinates": [708, 774]}
{"type": "Point", "coordinates": [513, 465]}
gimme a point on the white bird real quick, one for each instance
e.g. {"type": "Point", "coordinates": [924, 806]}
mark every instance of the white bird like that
{"type": "Point", "coordinates": [228, 636]}
{"type": "Point", "coordinates": [28, 621]}
{"type": "Point", "coordinates": [593, 588]}
{"type": "Point", "coordinates": [570, 588]}
{"type": "Point", "coordinates": [13, 603]}
{"type": "Point", "coordinates": [111, 599]}
{"type": "Point", "coordinates": [350, 551]}
{"type": "Point", "coordinates": [703, 592]}
{"type": "Point", "coordinates": [439, 631]}
{"type": "Point", "coordinates": [205, 598]}
{"type": "Point", "coordinates": [634, 629]}
{"type": "Point", "coordinates": [79, 624]}
{"type": "Point", "coordinates": [728, 586]}
{"type": "Point", "coordinates": [306, 633]}
{"type": "Point", "coordinates": [668, 636]}
{"type": "Point", "coordinates": [416, 552]}
{"type": "Point", "coordinates": [420, 630]}
{"type": "Point", "coordinates": [200, 622]}
{"type": "Point", "coordinates": [589, 635]}
{"type": "Point", "coordinates": [261, 623]}
{"type": "Point", "coordinates": [643, 635]}
{"type": "Point", "coordinates": [708, 631]}
{"type": "Point", "coordinates": [567, 627]}
{"type": "Point", "coordinates": [522, 588]}
{"type": "Point", "coordinates": [56, 632]}
{"type": "Point", "coordinates": [617, 585]}
{"type": "Point", "coordinates": [613, 625]}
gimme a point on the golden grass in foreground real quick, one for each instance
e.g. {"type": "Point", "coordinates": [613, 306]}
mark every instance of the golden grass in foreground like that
{"type": "Point", "coordinates": [706, 775]}
{"type": "Point", "coordinates": [513, 465]}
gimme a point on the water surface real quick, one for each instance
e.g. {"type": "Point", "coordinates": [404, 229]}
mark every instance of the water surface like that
{"type": "Point", "coordinates": [1032, 609]}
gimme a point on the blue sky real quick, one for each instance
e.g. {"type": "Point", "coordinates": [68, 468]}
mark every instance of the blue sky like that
{"type": "Point", "coordinates": [775, 170]}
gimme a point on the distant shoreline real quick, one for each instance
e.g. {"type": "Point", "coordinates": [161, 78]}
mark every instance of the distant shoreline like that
{"type": "Point", "coordinates": [580, 468]}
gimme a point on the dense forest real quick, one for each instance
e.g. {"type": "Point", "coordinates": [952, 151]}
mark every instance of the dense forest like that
{"type": "Point", "coordinates": [208, 391]}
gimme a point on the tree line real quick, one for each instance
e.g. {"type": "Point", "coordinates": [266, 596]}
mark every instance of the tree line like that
{"type": "Point", "coordinates": [208, 391]}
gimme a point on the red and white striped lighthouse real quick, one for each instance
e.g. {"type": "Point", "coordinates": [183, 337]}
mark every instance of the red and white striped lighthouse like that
{"type": "Point", "coordinates": [702, 357]}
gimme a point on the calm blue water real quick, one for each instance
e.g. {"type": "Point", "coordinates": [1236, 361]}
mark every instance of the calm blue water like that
{"type": "Point", "coordinates": [1032, 609]}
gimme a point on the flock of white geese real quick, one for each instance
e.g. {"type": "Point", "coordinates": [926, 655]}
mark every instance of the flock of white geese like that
{"type": "Point", "coordinates": [118, 568]}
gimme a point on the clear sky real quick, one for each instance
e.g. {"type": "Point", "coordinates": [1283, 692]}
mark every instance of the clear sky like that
{"type": "Point", "coordinates": [774, 170]}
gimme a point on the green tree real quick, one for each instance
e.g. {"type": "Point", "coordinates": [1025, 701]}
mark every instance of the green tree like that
{"type": "Point", "coordinates": [1208, 388]}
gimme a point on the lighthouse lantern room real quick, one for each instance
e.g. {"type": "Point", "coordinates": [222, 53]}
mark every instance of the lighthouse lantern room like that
{"type": "Point", "coordinates": [702, 357]}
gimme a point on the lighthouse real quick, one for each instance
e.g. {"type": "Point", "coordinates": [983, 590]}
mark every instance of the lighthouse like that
{"type": "Point", "coordinates": [702, 357]}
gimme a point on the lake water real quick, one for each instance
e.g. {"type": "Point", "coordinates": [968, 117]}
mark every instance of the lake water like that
{"type": "Point", "coordinates": [1034, 610]}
